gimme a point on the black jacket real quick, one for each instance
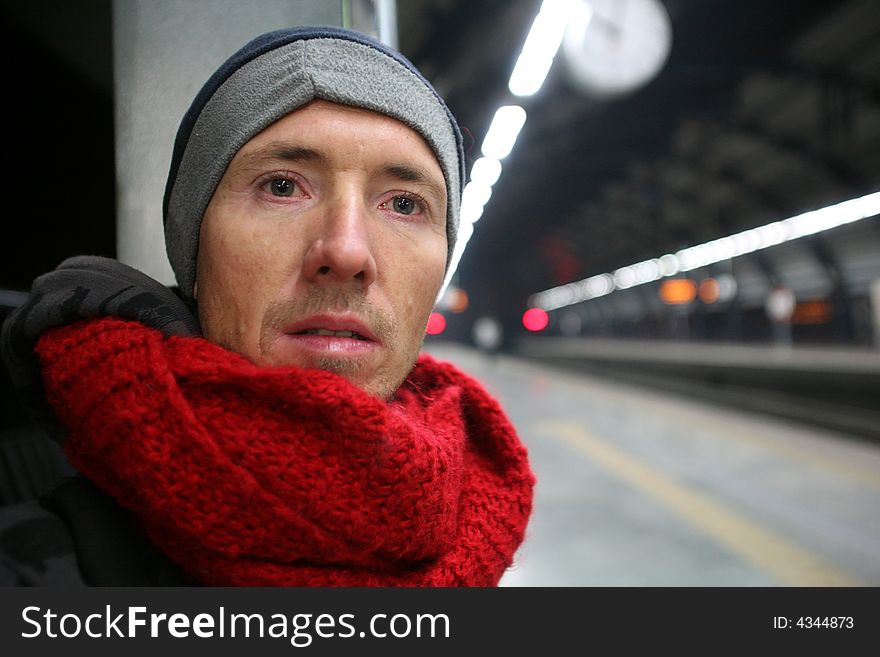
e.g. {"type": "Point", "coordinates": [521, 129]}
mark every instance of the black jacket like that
{"type": "Point", "coordinates": [78, 536]}
{"type": "Point", "coordinates": [74, 534]}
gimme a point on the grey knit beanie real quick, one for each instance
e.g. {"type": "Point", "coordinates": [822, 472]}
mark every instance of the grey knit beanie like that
{"type": "Point", "coordinates": [268, 78]}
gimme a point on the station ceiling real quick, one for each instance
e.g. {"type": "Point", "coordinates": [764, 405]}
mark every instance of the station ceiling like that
{"type": "Point", "coordinates": [763, 110]}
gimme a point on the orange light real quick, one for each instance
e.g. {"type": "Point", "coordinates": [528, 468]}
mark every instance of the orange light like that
{"type": "Point", "coordinates": [457, 302]}
{"type": "Point", "coordinates": [535, 319]}
{"type": "Point", "coordinates": [710, 290]}
{"type": "Point", "coordinates": [818, 311]}
{"type": "Point", "coordinates": [677, 291]}
{"type": "Point", "coordinates": [436, 324]}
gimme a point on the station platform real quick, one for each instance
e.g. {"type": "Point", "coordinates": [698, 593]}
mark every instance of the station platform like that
{"type": "Point", "coordinates": [833, 387]}
{"type": "Point", "coordinates": [645, 487]}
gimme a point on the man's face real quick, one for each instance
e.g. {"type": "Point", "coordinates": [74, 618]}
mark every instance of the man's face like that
{"type": "Point", "coordinates": [324, 246]}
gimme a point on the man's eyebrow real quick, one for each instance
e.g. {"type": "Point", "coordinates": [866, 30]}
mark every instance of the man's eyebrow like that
{"type": "Point", "coordinates": [415, 175]}
{"type": "Point", "coordinates": [293, 153]}
{"type": "Point", "coordinates": [286, 152]}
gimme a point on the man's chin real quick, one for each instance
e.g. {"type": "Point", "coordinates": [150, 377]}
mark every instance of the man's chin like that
{"type": "Point", "coordinates": [358, 374]}
{"type": "Point", "coordinates": [369, 371]}
{"type": "Point", "coordinates": [353, 369]}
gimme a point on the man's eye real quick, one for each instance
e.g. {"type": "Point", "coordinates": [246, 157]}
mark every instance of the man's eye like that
{"type": "Point", "coordinates": [282, 187]}
{"type": "Point", "coordinates": [403, 205]}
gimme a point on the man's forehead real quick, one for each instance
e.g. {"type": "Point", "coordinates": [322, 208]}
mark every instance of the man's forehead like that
{"type": "Point", "coordinates": [324, 114]}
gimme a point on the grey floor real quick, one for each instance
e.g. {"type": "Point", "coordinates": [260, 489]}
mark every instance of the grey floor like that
{"type": "Point", "coordinates": [640, 488]}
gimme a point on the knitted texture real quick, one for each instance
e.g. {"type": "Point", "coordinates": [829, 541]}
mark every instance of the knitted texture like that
{"type": "Point", "coordinates": [249, 476]}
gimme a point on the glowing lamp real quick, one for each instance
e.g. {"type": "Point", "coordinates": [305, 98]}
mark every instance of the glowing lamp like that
{"type": "Point", "coordinates": [535, 319]}
{"type": "Point", "coordinates": [678, 291]}
{"type": "Point", "coordinates": [710, 291]}
{"type": "Point", "coordinates": [458, 300]}
{"type": "Point", "coordinates": [436, 324]}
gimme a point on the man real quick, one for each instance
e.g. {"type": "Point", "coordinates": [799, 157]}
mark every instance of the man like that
{"type": "Point", "coordinates": [287, 432]}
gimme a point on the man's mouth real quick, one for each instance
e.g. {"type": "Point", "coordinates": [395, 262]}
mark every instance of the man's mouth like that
{"type": "Point", "coordinates": [332, 334]}
{"type": "Point", "coordinates": [340, 334]}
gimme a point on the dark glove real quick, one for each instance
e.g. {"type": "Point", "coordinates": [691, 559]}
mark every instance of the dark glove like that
{"type": "Point", "coordinates": [79, 288]}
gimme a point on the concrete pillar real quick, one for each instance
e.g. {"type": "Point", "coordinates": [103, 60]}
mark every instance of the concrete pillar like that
{"type": "Point", "coordinates": [163, 51]}
{"type": "Point", "coordinates": [378, 18]}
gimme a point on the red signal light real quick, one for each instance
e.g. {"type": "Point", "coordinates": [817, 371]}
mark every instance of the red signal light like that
{"type": "Point", "coordinates": [535, 319]}
{"type": "Point", "coordinates": [436, 324]}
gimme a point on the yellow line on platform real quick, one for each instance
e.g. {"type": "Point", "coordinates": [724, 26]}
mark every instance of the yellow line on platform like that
{"type": "Point", "coordinates": [675, 407]}
{"type": "Point", "coordinates": [861, 473]}
{"type": "Point", "coordinates": [767, 551]}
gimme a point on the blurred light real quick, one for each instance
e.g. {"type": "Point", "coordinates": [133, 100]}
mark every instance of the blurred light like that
{"type": "Point", "coordinates": [599, 286]}
{"type": "Point", "coordinates": [487, 333]}
{"type": "Point", "coordinates": [486, 171]}
{"type": "Point", "coordinates": [624, 277]}
{"type": "Point", "coordinates": [542, 42]}
{"type": "Point", "coordinates": [473, 200]}
{"type": "Point", "coordinates": [646, 271]}
{"type": "Point", "coordinates": [436, 324]}
{"type": "Point", "coordinates": [779, 304]}
{"type": "Point", "coordinates": [727, 287]}
{"type": "Point", "coordinates": [470, 214]}
{"type": "Point", "coordinates": [465, 231]}
{"type": "Point", "coordinates": [535, 319]}
{"type": "Point", "coordinates": [723, 249]}
{"type": "Point", "coordinates": [710, 290]}
{"type": "Point", "coordinates": [846, 212]}
{"type": "Point", "coordinates": [773, 234]}
{"type": "Point", "coordinates": [457, 300]}
{"type": "Point", "coordinates": [669, 265]}
{"type": "Point", "coordinates": [571, 293]}
{"type": "Point", "coordinates": [694, 257]}
{"type": "Point", "coordinates": [503, 131]}
{"type": "Point", "coordinates": [579, 17]}
{"type": "Point", "coordinates": [476, 193]}
{"type": "Point", "coordinates": [678, 291]}
{"type": "Point", "coordinates": [540, 48]}
{"type": "Point", "coordinates": [710, 253]}
{"type": "Point", "coordinates": [818, 311]}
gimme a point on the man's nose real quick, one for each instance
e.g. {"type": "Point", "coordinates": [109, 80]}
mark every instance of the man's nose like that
{"type": "Point", "coordinates": [341, 249]}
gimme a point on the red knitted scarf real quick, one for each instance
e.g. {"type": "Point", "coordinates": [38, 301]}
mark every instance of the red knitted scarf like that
{"type": "Point", "coordinates": [249, 476]}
